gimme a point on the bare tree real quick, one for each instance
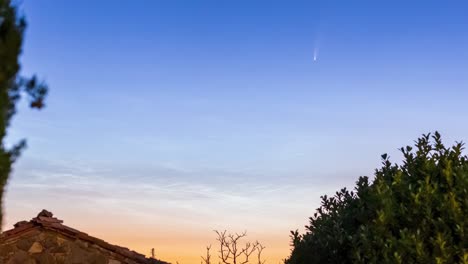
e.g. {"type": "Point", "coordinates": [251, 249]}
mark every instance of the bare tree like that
{"type": "Point", "coordinates": [232, 252]}
{"type": "Point", "coordinates": [207, 259]}
{"type": "Point", "coordinates": [260, 248]}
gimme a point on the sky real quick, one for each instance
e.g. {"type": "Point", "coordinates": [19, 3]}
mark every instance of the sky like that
{"type": "Point", "coordinates": [167, 120]}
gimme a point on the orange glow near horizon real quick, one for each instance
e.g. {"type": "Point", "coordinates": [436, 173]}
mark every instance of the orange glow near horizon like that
{"type": "Point", "coordinates": [172, 243]}
{"type": "Point", "coordinates": [177, 219]}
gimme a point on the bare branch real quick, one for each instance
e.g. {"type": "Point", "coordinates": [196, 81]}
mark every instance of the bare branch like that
{"type": "Point", "coordinates": [247, 251]}
{"type": "Point", "coordinates": [230, 251]}
{"type": "Point", "coordinates": [206, 260]}
{"type": "Point", "coordinates": [260, 248]}
{"type": "Point", "coordinates": [224, 246]}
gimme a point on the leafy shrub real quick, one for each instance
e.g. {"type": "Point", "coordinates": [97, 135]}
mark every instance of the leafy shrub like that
{"type": "Point", "coordinates": [416, 212]}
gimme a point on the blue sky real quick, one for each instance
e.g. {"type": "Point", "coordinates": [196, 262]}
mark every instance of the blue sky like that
{"type": "Point", "coordinates": [218, 106]}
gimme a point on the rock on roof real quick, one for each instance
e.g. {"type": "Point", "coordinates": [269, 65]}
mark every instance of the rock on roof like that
{"type": "Point", "coordinates": [45, 220]}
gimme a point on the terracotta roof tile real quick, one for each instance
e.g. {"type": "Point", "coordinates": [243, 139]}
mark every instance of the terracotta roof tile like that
{"type": "Point", "coordinates": [20, 223]}
{"type": "Point", "coordinates": [18, 229]}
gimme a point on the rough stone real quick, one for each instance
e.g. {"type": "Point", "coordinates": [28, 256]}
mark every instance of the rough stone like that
{"type": "Point", "coordinates": [45, 213]}
{"type": "Point", "coordinates": [36, 248]}
{"type": "Point", "coordinates": [61, 241]}
{"type": "Point", "coordinates": [50, 241]}
{"type": "Point", "coordinates": [24, 244]}
{"type": "Point", "coordinates": [21, 257]}
{"type": "Point", "coordinates": [45, 258]}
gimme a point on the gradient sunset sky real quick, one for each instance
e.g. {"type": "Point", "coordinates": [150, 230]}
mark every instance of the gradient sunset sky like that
{"type": "Point", "coordinates": [169, 119]}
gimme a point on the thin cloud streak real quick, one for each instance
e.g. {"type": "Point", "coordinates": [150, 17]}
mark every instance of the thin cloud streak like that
{"type": "Point", "coordinates": [152, 192]}
{"type": "Point", "coordinates": [189, 208]}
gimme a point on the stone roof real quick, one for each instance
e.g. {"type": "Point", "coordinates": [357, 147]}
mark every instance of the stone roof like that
{"type": "Point", "coordinates": [45, 220]}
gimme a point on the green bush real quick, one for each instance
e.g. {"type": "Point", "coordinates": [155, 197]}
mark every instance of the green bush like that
{"type": "Point", "coordinates": [416, 212]}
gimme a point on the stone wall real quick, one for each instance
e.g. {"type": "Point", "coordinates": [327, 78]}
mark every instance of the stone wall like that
{"type": "Point", "coordinates": [40, 246]}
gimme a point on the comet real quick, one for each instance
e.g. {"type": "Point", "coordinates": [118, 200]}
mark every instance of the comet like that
{"type": "Point", "coordinates": [315, 54]}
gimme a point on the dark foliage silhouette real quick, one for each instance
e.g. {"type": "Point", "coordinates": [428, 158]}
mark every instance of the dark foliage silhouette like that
{"type": "Point", "coordinates": [416, 212]}
{"type": "Point", "coordinates": [12, 27]}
